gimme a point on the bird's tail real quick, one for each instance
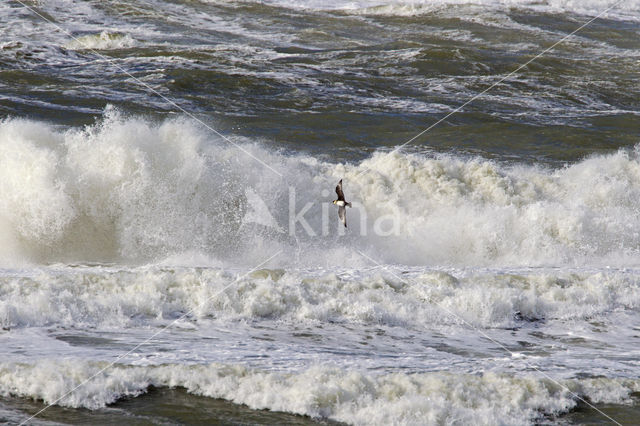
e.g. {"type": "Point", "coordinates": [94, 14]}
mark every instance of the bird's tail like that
{"type": "Point", "coordinates": [347, 204]}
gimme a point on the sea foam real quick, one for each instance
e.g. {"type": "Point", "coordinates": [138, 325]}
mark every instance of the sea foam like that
{"type": "Point", "coordinates": [322, 391]}
{"type": "Point", "coordinates": [626, 10]}
{"type": "Point", "coordinates": [96, 297]}
{"type": "Point", "coordinates": [130, 190]}
{"type": "Point", "coordinates": [103, 41]}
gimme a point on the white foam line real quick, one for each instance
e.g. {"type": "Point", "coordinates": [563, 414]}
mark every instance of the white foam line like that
{"type": "Point", "coordinates": [479, 331]}
{"type": "Point", "coordinates": [147, 340]}
{"type": "Point", "coordinates": [148, 87]}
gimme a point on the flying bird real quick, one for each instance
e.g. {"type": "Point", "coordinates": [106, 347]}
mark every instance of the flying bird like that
{"type": "Point", "coordinates": [341, 203]}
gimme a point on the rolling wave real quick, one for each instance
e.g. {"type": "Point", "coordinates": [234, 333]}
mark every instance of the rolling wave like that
{"type": "Point", "coordinates": [130, 190]}
{"type": "Point", "coordinates": [323, 392]}
{"type": "Point", "coordinates": [99, 297]}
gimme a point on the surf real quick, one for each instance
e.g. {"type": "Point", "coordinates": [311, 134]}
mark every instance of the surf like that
{"type": "Point", "coordinates": [128, 189]}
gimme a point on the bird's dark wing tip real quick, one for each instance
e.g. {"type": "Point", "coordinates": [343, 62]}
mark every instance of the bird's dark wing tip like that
{"type": "Point", "coordinates": [339, 190]}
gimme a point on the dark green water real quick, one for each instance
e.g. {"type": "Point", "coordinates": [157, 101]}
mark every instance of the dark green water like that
{"type": "Point", "coordinates": [336, 84]}
{"type": "Point", "coordinates": [161, 406]}
{"type": "Point", "coordinates": [332, 83]}
{"type": "Point", "coordinates": [166, 406]}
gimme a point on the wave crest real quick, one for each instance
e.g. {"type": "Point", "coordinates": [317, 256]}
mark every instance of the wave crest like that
{"type": "Point", "coordinates": [323, 392]}
{"type": "Point", "coordinates": [127, 189]}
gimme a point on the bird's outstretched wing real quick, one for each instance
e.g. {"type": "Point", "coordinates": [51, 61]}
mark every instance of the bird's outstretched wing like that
{"type": "Point", "coordinates": [339, 191]}
{"type": "Point", "coordinates": [342, 214]}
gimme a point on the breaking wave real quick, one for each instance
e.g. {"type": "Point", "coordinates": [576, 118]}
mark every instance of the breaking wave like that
{"type": "Point", "coordinates": [323, 392]}
{"type": "Point", "coordinates": [97, 297]}
{"type": "Point", "coordinates": [103, 41]}
{"type": "Point", "coordinates": [130, 190]}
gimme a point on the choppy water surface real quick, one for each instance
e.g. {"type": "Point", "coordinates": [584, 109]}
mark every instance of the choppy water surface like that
{"type": "Point", "coordinates": [490, 273]}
